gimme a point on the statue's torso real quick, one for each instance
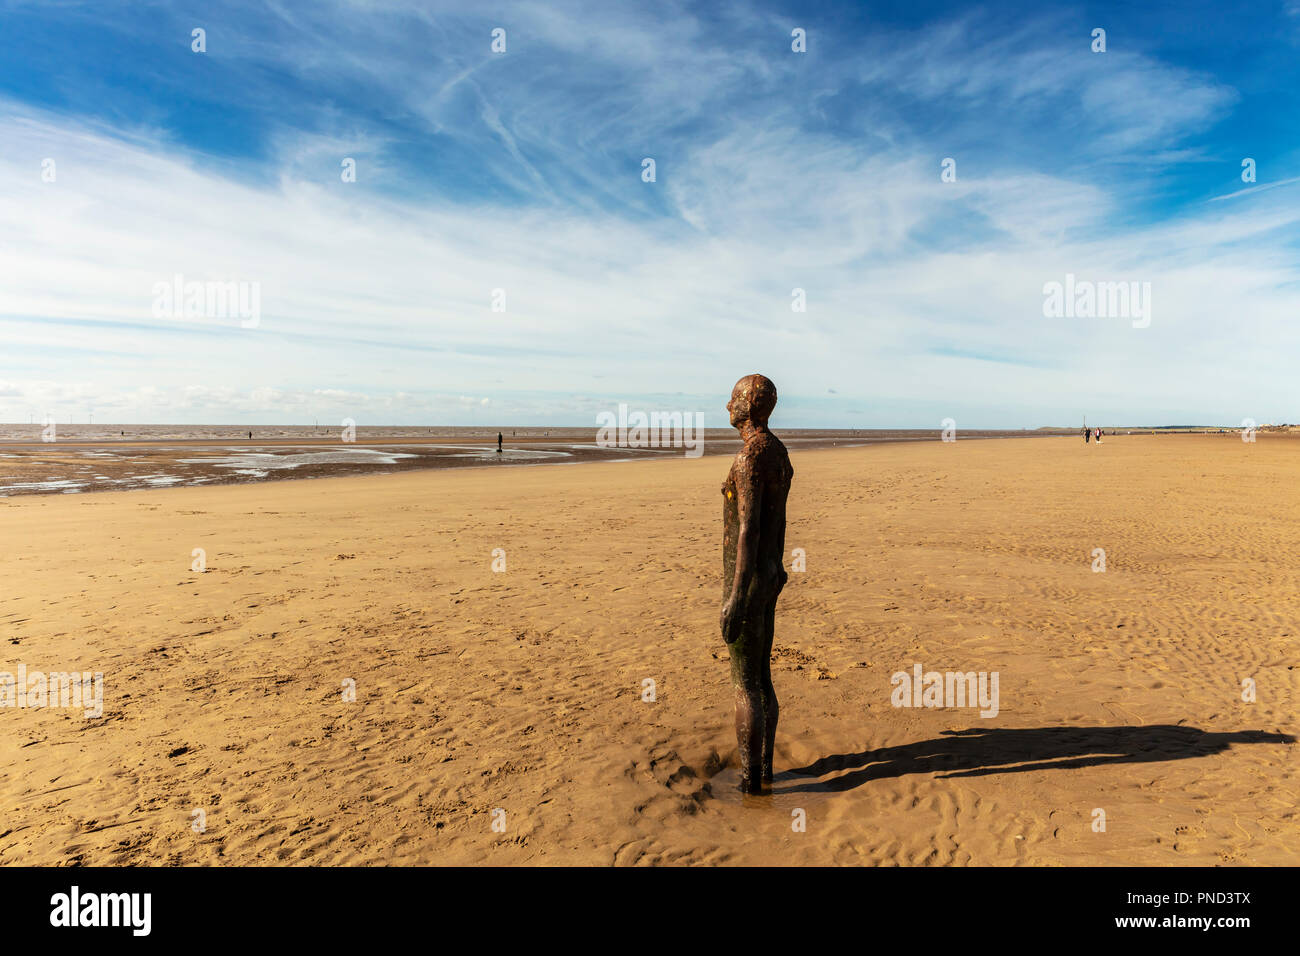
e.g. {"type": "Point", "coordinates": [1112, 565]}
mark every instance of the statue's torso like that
{"type": "Point", "coordinates": [763, 463]}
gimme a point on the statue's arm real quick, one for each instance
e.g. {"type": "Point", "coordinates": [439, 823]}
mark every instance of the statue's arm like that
{"type": "Point", "coordinates": [749, 496]}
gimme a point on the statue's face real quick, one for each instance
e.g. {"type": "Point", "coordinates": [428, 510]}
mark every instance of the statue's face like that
{"type": "Point", "coordinates": [738, 407]}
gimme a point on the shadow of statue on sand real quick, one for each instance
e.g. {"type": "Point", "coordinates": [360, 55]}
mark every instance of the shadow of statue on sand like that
{"type": "Point", "coordinates": [972, 753]}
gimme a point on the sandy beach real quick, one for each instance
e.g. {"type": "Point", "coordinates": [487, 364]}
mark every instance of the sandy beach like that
{"type": "Point", "coordinates": [226, 737]}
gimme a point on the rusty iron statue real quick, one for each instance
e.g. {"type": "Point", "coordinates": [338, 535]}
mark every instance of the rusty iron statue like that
{"type": "Point", "coordinates": [753, 551]}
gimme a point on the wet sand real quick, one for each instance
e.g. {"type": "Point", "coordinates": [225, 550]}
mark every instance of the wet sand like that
{"type": "Point", "coordinates": [524, 691]}
{"type": "Point", "coordinates": [95, 458]}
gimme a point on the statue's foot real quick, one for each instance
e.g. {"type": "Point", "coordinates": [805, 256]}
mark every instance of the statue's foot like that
{"type": "Point", "coordinates": [753, 784]}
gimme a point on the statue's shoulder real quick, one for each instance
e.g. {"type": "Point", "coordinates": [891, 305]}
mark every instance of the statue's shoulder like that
{"type": "Point", "coordinates": [774, 445]}
{"type": "Point", "coordinates": [770, 456]}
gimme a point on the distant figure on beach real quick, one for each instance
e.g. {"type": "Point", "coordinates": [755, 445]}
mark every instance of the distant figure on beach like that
{"type": "Point", "coordinates": [250, 435]}
{"type": "Point", "coordinates": [1087, 434]}
{"type": "Point", "coordinates": [753, 551]}
{"type": "Point", "coordinates": [1098, 436]}
{"type": "Point", "coordinates": [498, 443]}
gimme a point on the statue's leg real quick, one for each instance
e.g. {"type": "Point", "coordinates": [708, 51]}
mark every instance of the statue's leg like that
{"type": "Point", "coordinates": [749, 738]}
{"type": "Point", "coordinates": [770, 708]}
{"type": "Point", "coordinates": [746, 678]}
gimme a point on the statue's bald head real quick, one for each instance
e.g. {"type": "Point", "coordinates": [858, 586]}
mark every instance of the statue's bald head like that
{"type": "Point", "coordinates": [752, 399]}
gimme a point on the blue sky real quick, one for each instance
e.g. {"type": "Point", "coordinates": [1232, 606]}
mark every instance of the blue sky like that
{"type": "Point", "coordinates": [775, 170]}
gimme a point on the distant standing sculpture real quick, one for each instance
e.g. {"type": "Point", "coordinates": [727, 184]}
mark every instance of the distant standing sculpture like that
{"type": "Point", "coordinates": [753, 551]}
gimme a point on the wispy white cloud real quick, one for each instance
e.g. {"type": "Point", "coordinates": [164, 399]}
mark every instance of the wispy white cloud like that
{"type": "Point", "coordinates": [1261, 187]}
